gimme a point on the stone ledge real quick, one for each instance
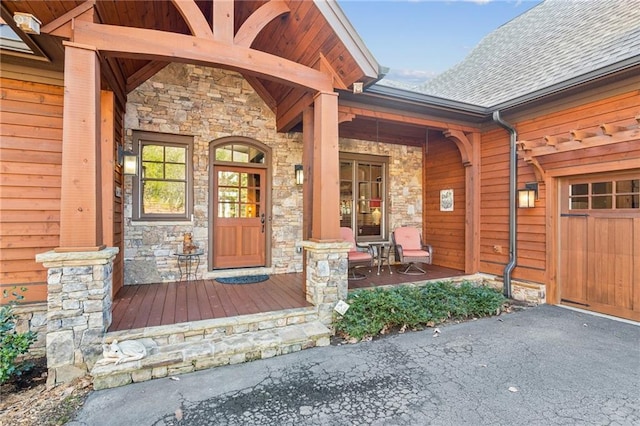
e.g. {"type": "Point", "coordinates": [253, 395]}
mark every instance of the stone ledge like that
{"type": "Point", "coordinates": [206, 326]}
{"type": "Point", "coordinates": [186, 357]}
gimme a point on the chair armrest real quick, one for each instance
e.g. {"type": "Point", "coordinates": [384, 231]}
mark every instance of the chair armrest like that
{"type": "Point", "coordinates": [368, 248]}
{"type": "Point", "coordinates": [429, 249]}
{"type": "Point", "coordinates": [398, 250]}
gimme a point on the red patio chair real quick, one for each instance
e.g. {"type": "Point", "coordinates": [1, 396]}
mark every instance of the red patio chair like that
{"type": "Point", "coordinates": [410, 250]}
{"type": "Point", "coordinates": [356, 257]}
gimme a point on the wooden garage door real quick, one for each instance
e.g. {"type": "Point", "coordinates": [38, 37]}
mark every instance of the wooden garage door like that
{"type": "Point", "coordinates": [599, 265]}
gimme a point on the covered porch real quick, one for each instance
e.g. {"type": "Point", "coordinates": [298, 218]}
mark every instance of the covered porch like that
{"type": "Point", "coordinates": [150, 305]}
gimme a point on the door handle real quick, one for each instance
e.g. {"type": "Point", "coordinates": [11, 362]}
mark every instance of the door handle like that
{"type": "Point", "coordinates": [262, 221]}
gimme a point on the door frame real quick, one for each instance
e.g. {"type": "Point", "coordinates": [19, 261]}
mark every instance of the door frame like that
{"type": "Point", "coordinates": [266, 165]}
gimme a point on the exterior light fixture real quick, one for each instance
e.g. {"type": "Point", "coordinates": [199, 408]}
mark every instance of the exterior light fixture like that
{"type": "Point", "coordinates": [528, 195]}
{"type": "Point", "coordinates": [27, 22]}
{"type": "Point", "coordinates": [299, 174]}
{"type": "Point", "coordinates": [128, 161]}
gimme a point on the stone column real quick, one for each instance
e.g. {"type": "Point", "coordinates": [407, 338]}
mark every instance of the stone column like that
{"type": "Point", "coordinates": [326, 276]}
{"type": "Point", "coordinates": [79, 310]}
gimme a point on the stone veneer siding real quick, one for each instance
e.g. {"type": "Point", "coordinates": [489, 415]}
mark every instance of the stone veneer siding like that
{"type": "Point", "coordinates": [209, 104]}
{"type": "Point", "coordinates": [33, 317]}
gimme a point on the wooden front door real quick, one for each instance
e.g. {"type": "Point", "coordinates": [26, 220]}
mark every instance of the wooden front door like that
{"type": "Point", "coordinates": [239, 217]}
{"type": "Point", "coordinates": [599, 265]}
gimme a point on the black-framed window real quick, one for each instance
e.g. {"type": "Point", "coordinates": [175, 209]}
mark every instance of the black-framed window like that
{"type": "Point", "coordinates": [163, 189]}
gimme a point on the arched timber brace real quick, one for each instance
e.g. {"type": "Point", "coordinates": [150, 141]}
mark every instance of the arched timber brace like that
{"type": "Point", "coordinates": [469, 147]}
{"type": "Point", "coordinates": [258, 20]}
{"type": "Point", "coordinates": [140, 43]}
{"type": "Point", "coordinates": [462, 142]}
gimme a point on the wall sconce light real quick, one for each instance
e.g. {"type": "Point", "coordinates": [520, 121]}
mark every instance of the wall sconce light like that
{"type": "Point", "coordinates": [299, 174]}
{"type": "Point", "coordinates": [128, 161]}
{"type": "Point", "coordinates": [27, 22]}
{"type": "Point", "coordinates": [528, 195]}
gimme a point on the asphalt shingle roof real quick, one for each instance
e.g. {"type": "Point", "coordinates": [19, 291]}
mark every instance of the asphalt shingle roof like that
{"type": "Point", "coordinates": [552, 43]}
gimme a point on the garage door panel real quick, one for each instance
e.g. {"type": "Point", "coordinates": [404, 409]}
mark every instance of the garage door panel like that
{"type": "Point", "coordinates": [573, 265]}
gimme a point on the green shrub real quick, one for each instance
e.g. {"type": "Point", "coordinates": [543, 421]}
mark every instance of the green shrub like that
{"type": "Point", "coordinates": [12, 344]}
{"type": "Point", "coordinates": [372, 311]}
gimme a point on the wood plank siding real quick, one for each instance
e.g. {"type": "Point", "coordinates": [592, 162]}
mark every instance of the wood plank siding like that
{"type": "Point", "coordinates": [31, 152]}
{"type": "Point", "coordinates": [445, 231]}
{"type": "Point", "coordinates": [535, 236]}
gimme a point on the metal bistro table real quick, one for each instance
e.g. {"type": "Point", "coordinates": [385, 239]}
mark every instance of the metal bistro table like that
{"type": "Point", "coordinates": [191, 262]}
{"type": "Point", "coordinates": [382, 250]}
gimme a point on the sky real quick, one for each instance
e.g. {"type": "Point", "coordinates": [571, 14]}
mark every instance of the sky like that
{"type": "Point", "coordinates": [418, 39]}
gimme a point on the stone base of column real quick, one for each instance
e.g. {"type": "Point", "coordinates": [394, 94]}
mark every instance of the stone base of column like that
{"type": "Point", "coordinates": [78, 310]}
{"type": "Point", "coordinates": [326, 276]}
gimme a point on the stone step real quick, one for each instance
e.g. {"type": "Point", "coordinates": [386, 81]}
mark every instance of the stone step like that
{"type": "Point", "coordinates": [212, 351]}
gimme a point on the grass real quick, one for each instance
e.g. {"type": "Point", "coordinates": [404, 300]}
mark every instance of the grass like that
{"type": "Point", "coordinates": [374, 311]}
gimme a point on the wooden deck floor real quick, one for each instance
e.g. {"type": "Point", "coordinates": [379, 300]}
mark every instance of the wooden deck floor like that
{"type": "Point", "coordinates": [147, 305]}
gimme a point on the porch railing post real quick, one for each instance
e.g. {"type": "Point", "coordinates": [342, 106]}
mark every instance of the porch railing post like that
{"type": "Point", "coordinates": [79, 310]}
{"type": "Point", "coordinates": [326, 276]}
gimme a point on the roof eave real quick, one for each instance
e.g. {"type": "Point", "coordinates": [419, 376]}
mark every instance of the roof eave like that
{"type": "Point", "coordinates": [573, 83]}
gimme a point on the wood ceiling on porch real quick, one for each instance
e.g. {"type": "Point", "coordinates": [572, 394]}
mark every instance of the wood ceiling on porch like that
{"type": "Point", "coordinates": [296, 30]}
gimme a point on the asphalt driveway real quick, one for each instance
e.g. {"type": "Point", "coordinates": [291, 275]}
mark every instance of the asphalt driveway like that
{"type": "Point", "coordinates": [540, 366]}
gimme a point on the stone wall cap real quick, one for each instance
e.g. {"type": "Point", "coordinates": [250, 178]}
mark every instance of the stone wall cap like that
{"type": "Point", "coordinates": [329, 245]}
{"type": "Point", "coordinates": [99, 255]}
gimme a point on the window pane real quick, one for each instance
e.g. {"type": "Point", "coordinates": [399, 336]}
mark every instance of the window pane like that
{"type": "Point", "coordinates": [602, 187]}
{"type": "Point", "coordinates": [601, 202]}
{"type": "Point", "coordinates": [153, 170]}
{"type": "Point", "coordinates": [364, 174]}
{"type": "Point", "coordinates": [628, 201]}
{"type": "Point", "coordinates": [579, 203]}
{"type": "Point", "coordinates": [240, 155]}
{"type": "Point", "coordinates": [579, 189]}
{"type": "Point", "coordinates": [345, 171]}
{"type": "Point", "coordinates": [174, 154]}
{"type": "Point", "coordinates": [228, 178]}
{"type": "Point", "coordinates": [249, 210]}
{"type": "Point", "coordinates": [223, 153]}
{"type": "Point", "coordinates": [175, 171]}
{"type": "Point", "coordinates": [152, 153]}
{"type": "Point", "coordinates": [227, 210]}
{"type": "Point", "coordinates": [255, 155]}
{"type": "Point", "coordinates": [164, 197]}
{"type": "Point", "coordinates": [628, 186]}
{"type": "Point", "coordinates": [229, 195]}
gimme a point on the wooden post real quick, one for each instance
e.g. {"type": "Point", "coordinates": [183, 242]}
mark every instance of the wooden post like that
{"type": "Point", "coordinates": [325, 170]}
{"type": "Point", "coordinates": [80, 201]}
{"type": "Point", "coordinates": [472, 208]}
{"type": "Point", "coordinates": [107, 153]}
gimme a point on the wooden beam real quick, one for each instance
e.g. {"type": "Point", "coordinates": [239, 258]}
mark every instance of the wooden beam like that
{"type": "Point", "coordinates": [589, 142]}
{"type": "Point", "coordinates": [262, 91]}
{"type": "Point", "coordinates": [258, 20]}
{"type": "Point", "coordinates": [194, 18]}
{"type": "Point", "coordinates": [579, 135]}
{"type": "Point", "coordinates": [344, 117]}
{"type": "Point", "coordinates": [610, 129]}
{"type": "Point", "coordinates": [140, 43]}
{"type": "Point", "coordinates": [378, 113]}
{"type": "Point", "coordinates": [143, 74]}
{"type": "Point", "coordinates": [322, 64]}
{"type": "Point", "coordinates": [286, 118]}
{"type": "Point", "coordinates": [80, 200]}
{"type": "Point", "coordinates": [223, 21]}
{"type": "Point", "coordinates": [61, 26]}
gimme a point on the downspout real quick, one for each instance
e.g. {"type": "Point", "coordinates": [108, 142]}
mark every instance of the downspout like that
{"type": "Point", "coordinates": [513, 181]}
